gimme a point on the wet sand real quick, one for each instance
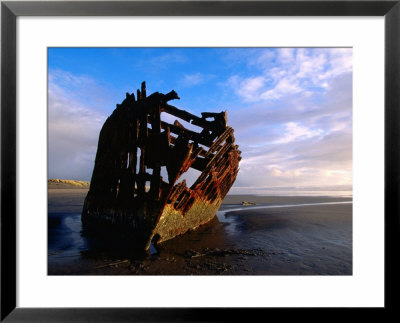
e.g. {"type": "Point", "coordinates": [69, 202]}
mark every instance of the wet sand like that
{"type": "Point", "coordinates": [278, 236]}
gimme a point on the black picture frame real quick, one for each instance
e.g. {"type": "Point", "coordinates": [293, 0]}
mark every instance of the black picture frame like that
{"type": "Point", "coordinates": [10, 10]}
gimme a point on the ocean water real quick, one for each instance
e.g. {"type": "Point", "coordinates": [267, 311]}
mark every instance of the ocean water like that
{"type": "Point", "coordinates": [307, 193]}
{"type": "Point", "coordinates": [285, 191]}
{"type": "Point", "coordinates": [64, 236]}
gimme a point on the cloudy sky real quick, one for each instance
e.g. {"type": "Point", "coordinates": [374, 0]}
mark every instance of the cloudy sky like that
{"type": "Point", "coordinates": [291, 108]}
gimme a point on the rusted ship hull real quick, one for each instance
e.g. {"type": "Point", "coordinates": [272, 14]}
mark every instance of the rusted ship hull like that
{"type": "Point", "coordinates": [128, 195]}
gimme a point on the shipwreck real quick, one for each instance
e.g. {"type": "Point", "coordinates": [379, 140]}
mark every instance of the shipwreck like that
{"type": "Point", "coordinates": [128, 194]}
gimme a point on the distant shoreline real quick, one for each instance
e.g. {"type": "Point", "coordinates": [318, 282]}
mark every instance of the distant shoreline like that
{"type": "Point", "coordinates": [284, 192]}
{"type": "Point", "coordinates": [68, 198]}
{"type": "Point", "coordinates": [56, 183]}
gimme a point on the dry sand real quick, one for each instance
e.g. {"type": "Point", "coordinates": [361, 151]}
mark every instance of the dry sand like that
{"type": "Point", "coordinates": [297, 240]}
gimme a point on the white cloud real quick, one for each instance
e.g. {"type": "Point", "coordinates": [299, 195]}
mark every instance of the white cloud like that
{"type": "Point", "coordinates": [298, 140]}
{"type": "Point", "coordinates": [286, 55]}
{"type": "Point", "coordinates": [249, 88]}
{"type": "Point", "coordinates": [296, 70]}
{"type": "Point", "coordinates": [73, 127]}
{"type": "Point", "coordinates": [192, 79]}
{"type": "Point", "coordinates": [286, 86]}
{"type": "Point", "coordinates": [295, 132]}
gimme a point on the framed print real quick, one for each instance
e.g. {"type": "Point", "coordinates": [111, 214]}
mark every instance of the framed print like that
{"type": "Point", "coordinates": [311, 94]}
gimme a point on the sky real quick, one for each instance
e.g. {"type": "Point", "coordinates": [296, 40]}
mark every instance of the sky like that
{"type": "Point", "coordinates": [291, 108]}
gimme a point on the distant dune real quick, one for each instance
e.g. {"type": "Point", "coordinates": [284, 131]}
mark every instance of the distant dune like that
{"type": "Point", "coordinates": [66, 183]}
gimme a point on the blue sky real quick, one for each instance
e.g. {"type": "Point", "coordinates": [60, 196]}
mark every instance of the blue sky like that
{"type": "Point", "coordinates": [291, 108]}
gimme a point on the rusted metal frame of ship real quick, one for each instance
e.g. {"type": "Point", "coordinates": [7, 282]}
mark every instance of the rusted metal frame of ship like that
{"type": "Point", "coordinates": [134, 144]}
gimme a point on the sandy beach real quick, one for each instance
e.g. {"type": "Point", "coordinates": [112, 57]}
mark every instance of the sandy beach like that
{"type": "Point", "coordinates": [280, 235]}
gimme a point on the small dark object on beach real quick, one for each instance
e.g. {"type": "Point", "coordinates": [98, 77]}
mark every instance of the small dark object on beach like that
{"type": "Point", "coordinates": [245, 203]}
